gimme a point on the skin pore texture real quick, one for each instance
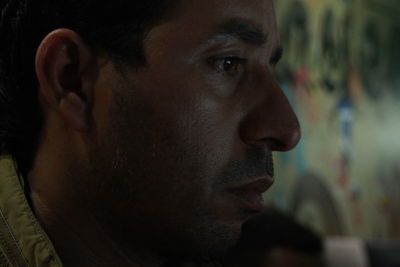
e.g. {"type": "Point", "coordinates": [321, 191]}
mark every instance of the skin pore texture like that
{"type": "Point", "coordinates": [135, 165]}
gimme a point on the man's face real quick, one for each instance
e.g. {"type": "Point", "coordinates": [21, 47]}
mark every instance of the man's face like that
{"type": "Point", "coordinates": [184, 151]}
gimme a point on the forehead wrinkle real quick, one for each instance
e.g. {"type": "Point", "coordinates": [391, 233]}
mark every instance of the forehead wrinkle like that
{"type": "Point", "coordinates": [242, 30]}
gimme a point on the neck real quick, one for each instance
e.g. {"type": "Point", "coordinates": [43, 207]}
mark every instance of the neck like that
{"type": "Point", "coordinates": [82, 241]}
{"type": "Point", "coordinates": [63, 209]}
{"type": "Point", "coordinates": [66, 202]}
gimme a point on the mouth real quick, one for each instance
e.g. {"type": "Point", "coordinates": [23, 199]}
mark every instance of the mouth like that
{"type": "Point", "coordinates": [249, 195]}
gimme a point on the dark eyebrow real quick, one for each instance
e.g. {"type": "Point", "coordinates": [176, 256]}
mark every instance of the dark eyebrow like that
{"type": "Point", "coordinates": [276, 56]}
{"type": "Point", "coordinates": [243, 31]}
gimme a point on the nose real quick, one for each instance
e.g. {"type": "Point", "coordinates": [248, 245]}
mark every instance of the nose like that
{"type": "Point", "coordinates": [270, 122]}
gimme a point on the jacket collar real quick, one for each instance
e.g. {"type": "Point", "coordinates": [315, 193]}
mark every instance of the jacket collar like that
{"type": "Point", "coordinates": [22, 239]}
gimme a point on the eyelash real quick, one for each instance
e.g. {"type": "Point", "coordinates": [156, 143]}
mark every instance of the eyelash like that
{"type": "Point", "coordinates": [235, 63]}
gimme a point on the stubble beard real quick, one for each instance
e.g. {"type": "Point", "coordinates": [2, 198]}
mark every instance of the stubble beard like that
{"type": "Point", "coordinates": [203, 237]}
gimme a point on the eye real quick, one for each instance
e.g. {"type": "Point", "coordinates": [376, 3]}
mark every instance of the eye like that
{"type": "Point", "coordinates": [229, 65]}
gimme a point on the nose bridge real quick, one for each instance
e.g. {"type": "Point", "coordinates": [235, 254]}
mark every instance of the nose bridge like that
{"type": "Point", "coordinates": [271, 122]}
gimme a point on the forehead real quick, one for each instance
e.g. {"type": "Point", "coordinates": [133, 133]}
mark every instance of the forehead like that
{"type": "Point", "coordinates": [196, 20]}
{"type": "Point", "coordinates": [224, 8]}
{"type": "Point", "coordinates": [214, 12]}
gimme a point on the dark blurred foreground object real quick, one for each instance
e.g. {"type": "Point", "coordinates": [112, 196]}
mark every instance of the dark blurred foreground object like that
{"type": "Point", "coordinates": [299, 247]}
{"type": "Point", "coordinates": [273, 239]}
{"type": "Point", "coordinates": [345, 252]}
{"type": "Point", "coordinates": [383, 253]}
{"type": "Point", "coordinates": [354, 252]}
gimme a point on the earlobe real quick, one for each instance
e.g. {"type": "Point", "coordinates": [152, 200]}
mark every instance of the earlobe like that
{"type": "Point", "coordinates": [62, 62]}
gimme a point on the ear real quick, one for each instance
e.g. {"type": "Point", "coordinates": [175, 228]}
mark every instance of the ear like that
{"type": "Point", "coordinates": [64, 68]}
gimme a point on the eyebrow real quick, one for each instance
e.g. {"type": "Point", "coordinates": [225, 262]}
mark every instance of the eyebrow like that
{"type": "Point", "coordinates": [247, 33]}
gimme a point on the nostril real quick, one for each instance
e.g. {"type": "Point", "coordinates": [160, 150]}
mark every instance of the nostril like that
{"type": "Point", "coordinates": [285, 141]}
{"type": "Point", "coordinates": [272, 137]}
{"type": "Point", "coordinates": [273, 144]}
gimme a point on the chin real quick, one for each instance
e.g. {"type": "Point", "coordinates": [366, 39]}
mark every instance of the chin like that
{"type": "Point", "coordinates": [218, 239]}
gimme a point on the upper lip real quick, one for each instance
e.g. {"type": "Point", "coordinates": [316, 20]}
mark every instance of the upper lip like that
{"type": "Point", "coordinates": [258, 185]}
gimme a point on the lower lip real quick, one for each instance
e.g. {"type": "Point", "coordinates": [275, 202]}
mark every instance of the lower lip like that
{"type": "Point", "coordinates": [250, 201]}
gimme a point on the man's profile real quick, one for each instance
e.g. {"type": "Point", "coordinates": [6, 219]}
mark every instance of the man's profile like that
{"type": "Point", "coordinates": [135, 132]}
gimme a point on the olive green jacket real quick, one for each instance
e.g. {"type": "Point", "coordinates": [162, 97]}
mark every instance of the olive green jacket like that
{"type": "Point", "coordinates": [22, 240]}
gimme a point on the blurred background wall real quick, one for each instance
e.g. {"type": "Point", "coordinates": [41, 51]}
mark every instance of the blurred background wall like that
{"type": "Point", "coordinates": [341, 71]}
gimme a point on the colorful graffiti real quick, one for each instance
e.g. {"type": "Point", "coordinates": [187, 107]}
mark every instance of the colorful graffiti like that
{"type": "Point", "coordinates": [341, 72]}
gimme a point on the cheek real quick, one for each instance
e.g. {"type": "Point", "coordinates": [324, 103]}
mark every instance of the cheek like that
{"type": "Point", "coordinates": [209, 134]}
{"type": "Point", "coordinates": [176, 135]}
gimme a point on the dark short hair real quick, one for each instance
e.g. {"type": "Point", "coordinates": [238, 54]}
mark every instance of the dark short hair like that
{"type": "Point", "coordinates": [118, 27]}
